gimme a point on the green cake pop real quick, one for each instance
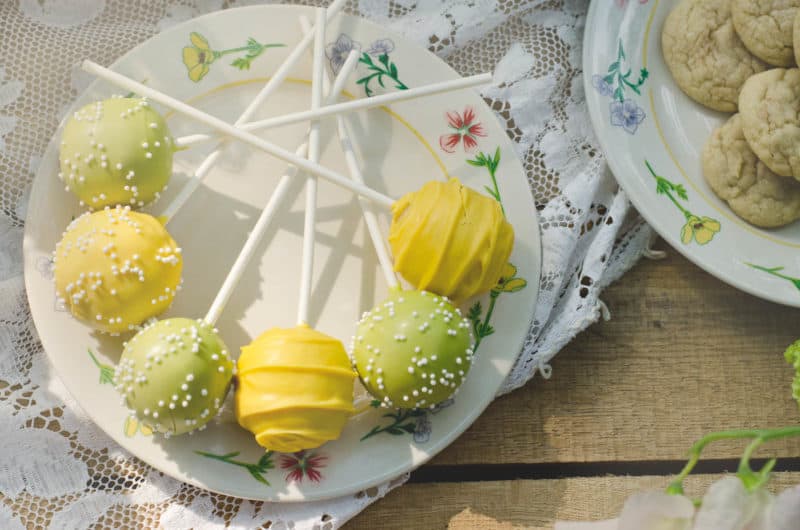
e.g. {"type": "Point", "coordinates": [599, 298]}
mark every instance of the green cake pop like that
{"type": "Point", "coordinates": [116, 151]}
{"type": "Point", "coordinates": [413, 350]}
{"type": "Point", "coordinates": [174, 375]}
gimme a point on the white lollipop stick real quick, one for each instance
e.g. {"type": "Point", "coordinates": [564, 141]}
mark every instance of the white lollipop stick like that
{"type": "Point", "coordinates": [226, 128]}
{"type": "Point", "coordinates": [370, 219]}
{"type": "Point", "coordinates": [266, 91]}
{"type": "Point", "coordinates": [310, 218]}
{"type": "Point", "coordinates": [267, 214]}
{"type": "Point", "coordinates": [350, 106]}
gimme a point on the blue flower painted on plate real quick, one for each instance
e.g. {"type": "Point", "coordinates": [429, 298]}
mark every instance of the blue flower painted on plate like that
{"type": "Point", "coordinates": [381, 47]}
{"type": "Point", "coordinates": [602, 86]}
{"type": "Point", "coordinates": [617, 83]}
{"type": "Point", "coordinates": [627, 115]}
{"type": "Point", "coordinates": [337, 51]}
{"type": "Point", "coordinates": [422, 429]}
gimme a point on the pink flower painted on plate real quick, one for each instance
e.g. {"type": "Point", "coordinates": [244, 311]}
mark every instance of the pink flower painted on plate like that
{"type": "Point", "coordinates": [303, 464]}
{"type": "Point", "coordinates": [465, 128]}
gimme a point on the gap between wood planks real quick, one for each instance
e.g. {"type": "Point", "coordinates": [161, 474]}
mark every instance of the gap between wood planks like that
{"type": "Point", "coordinates": [558, 470]}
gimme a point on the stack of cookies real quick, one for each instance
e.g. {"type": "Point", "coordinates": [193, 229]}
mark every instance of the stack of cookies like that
{"type": "Point", "coordinates": [740, 56]}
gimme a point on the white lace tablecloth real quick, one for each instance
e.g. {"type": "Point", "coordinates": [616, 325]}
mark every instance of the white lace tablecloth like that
{"type": "Point", "coordinates": [57, 469]}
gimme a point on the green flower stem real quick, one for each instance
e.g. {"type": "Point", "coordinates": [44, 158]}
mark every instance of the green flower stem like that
{"type": "Point", "coordinates": [256, 470]}
{"type": "Point", "coordinates": [488, 318]}
{"type": "Point", "coordinates": [774, 271]}
{"type": "Point", "coordinates": [686, 213]}
{"type": "Point", "coordinates": [260, 48]}
{"type": "Point", "coordinates": [106, 371]}
{"type": "Point", "coordinates": [759, 436]}
{"type": "Point", "coordinates": [492, 171]}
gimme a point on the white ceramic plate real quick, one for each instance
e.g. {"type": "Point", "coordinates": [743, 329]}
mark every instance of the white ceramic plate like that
{"type": "Point", "coordinates": [401, 150]}
{"type": "Point", "coordinates": [641, 119]}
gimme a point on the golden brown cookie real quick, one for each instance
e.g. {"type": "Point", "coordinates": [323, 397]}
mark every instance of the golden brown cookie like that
{"type": "Point", "coordinates": [766, 27]}
{"type": "Point", "coordinates": [705, 55]}
{"type": "Point", "coordinates": [737, 176]}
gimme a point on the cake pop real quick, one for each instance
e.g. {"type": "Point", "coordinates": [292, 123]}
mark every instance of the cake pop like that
{"type": "Point", "coordinates": [115, 268]}
{"type": "Point", "coordinates": [450, 239]}
{"type": "Point", "coordinates": [174, 375]}
{"type": "Point", "coordinates": [116, 151]}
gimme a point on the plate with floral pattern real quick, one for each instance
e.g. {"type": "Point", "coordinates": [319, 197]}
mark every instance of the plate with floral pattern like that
{"type": "Point", "coordinates": [219, 62]}
{"type": "Point", "coordinates": [653, 134]}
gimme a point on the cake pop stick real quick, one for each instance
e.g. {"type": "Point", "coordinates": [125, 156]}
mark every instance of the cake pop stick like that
{"type": "Point", "coordinates": [266, 91]}
{"type": "Point", "coordinates": [277, 198]}
{"type": "Point", "coordinates": [226, 128]}
{"type": "Point", "coordinates": [350, 106]}
{"type": "Point", "coordinates": [309, 221]}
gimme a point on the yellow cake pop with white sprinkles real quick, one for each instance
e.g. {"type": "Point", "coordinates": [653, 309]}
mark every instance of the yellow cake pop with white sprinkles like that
{"type": "Point", "coordinates": [116, 268]}
{"type": "Point", "coordinates": [116, 151]}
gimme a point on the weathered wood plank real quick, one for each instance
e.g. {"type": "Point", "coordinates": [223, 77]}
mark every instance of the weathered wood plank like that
{"type": "Point", "coordinates": [533, 504]}
{"type": "Point", "coordinates": [684, 354]}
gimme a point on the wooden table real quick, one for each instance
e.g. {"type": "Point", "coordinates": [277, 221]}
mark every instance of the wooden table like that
{"type": "Point", "coordinates": [683, 355]}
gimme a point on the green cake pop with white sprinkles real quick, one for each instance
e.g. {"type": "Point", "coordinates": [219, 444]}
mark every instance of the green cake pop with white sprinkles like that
{"type": "Point", "coordinates": [116, 151]}
{"type": "Point", "coordinates": [174, 375]}
{"type": "Point", "coordinates": [413, 350]}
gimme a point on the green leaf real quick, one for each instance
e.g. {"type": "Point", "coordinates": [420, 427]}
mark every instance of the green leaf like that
{"type": "Point", "coordinates": [363, 80]}
{"type": "Point", "coordinates": [265, 462]}
{"type": "Point", "coordinates": [256, 475]}
{"type": "Point", "coordinates": [409, 428]}
{"type": "Point", "coordinates": [621, 52]}
{"type": "Point", "coordinates": [619, 95]}
{"type": "Point", "coordinates": [681, 191]}
{"type": "Point", "coordinates": [375, 403]}
{"type": "Point", "coordinates": [393, 70]}
{"type": "Point", "coordinates": [792, 355]}
{"type": "Point", "coordinates": [476, 163]}
{"type": "Point", "coordinates": [475, 311]}
{"type": "Point", "coordinates": [384, 59]}
{"type": "Point", "coordinates": [380, 81]}
{"type": "Point", "coordinates": [643, 75]}
{"type": "Point", "coordinates": [395, 431]}
{"type": "Point", "coordinates": [609, 79]}
{"type": "Point", "coordinates": [496, 160]}
{"type": "Point", "coordinates": [375, 430]}
{"type": "Point", "coordinates": [241, 63]}
{"type": "Point", "coordinates": [486, 330]}
{"type": "Point", "coordinates": [366, 59]}
{"type": "Point", "coordinates": [613, 66]}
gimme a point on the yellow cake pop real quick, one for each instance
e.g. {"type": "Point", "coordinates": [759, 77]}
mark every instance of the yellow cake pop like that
{"type": "Point", "coordinates": [449, 239]}
{"type": "Point", "coordinates": [295, 388]}
{"type": "Point", "coordinates": [116, 268]}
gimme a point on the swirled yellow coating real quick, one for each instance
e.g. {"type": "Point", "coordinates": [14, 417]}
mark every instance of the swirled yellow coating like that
{"type": "Point", "coordinates": [116, 268]}
{"type": "Point", "coordinates": [295, 389]}
{"type": "Point", "coordinates": [449, 239]}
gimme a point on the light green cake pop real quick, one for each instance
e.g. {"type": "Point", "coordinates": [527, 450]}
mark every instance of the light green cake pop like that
{"type": "Point", "coordinates": [174, 375]}
{"type": "Point", "coordinates": [116, 151]}
{"type": "Point", "coordinates": [413, 350]}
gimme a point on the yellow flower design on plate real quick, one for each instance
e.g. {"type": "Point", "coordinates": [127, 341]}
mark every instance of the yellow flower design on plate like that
{"type": "Point", "coordinates": [132, 426]}
{"type": "Point", "coordinates": [508, 282]}
{"type": "Point", "coordinates": [701, 229]}
{"type": "Point", "coordinates": [197, 57]}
